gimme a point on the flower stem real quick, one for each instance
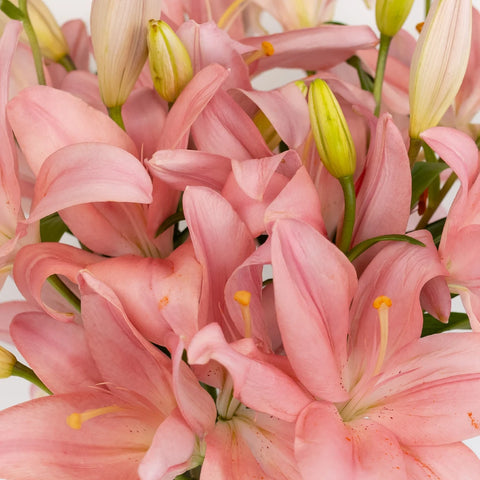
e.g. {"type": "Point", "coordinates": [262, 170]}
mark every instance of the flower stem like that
{"type": "Point", "coordinates": [115, 114]}
{"type": "Point", "coordinates": [32, 38]}
{"type": "Point", "coordinates": [22, 371]}
{"type": "Point", "coordinates": [349, 213]}
{"type": "Point", "coordinates": [385, 41]}
{"type": "Point", "coordinates": [427, 6]}
{"type": "Point", "coordinates": [67, 63]}
{"type": "Point", "coordinates": [413, 150]}
{"type": "Point", "coordinates": [64, 291]}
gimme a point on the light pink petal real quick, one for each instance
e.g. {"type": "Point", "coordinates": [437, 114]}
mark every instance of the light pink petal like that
{"type": "Point", "coordinates": [188, 106]}
{"type": "Point", "coordinates": [84, 85]}
{"type": "Point", "coordinates": [144, 114]}
{"type": "Point", "coordinates": [171, 450]}
{"type": "Point", "coordinates": [57, 351]}
{"type": "Point", "coordinates": [8, 310]}
{"type": "Point", "coordinates": [78, 41]}
{"type": "Point", "coordinates": [181, 168]}
{"type": "Point", "coordinates": [37, 438]}
{"type": "Point", "coordinates": [435, 298]}
{"type": "Point", "coordinates": [224, 128]}
{"type": "Point", "coordinates": [323, 443]}
{"type": "Point", "coordinates": [292, 128]}
{"type": "Point", "coordinates": [399, 271]}
{"type": "Point", "coordinates": [195, 404]}
{"type": "Point", "coordinates": [124, 358]}
{"type": "Point", "coordinates": [312, 48]}
{"type": "Point", "coordinates": [207, 44]}
{"type": "Point", "coordinates": [257, 384]}
{"type": "Point", "coordinates": [428, 392]}
{"type": "Point", "coordinates": [89, 172]}
{"type": "Point", "coordinates": [35, 263]}
{"type": "Point", "coordinates": [446, 462]}
{"type": "Point", "coordinates": [45, 119]}
{"type": "Point", "coordinates": [299, 200]}
{"type": "Point", "coordinates": [221, 242]}
{"type": "Point", "coordinates": [383, 200]}
{"type": "Point", "coordinates": [270, 441]}
{"type": "Point", "coordinates": [314, 284]}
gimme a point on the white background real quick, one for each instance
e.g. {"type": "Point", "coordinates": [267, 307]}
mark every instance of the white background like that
{"type": "Point", "coordinates": [14, 390]}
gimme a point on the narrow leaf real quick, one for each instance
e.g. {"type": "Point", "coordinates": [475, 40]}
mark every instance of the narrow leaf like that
{"type": "Point", "coordinates": [457, 321]}
{"type": "Point", "coordinates": [423, 174]}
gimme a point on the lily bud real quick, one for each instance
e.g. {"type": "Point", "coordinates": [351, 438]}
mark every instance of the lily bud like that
{"type": "Point", "coordinates": [49, 35]}
{"type": "Point", "coordinates": [330, 130]}
{"type": "Point", "coordinates": [391, 15]}
{"type": "Point", "coordinates": [119, 38]}
{"type": "Point", "coordinates": [7, 363]}
{"type": "Point", "coordinates": [170, 64]}
{"type": "Point", "coordinates": [439, 62]}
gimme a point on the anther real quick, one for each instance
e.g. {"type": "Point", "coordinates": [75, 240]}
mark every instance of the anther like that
{"type": "Point", "coordinates": [75, 420]}
{"type": "Point", "coordinates": [242, 297]}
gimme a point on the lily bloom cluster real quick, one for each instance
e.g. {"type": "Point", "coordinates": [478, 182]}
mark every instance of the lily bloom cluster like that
{"type": "Point", "coordinates": [226, 283]}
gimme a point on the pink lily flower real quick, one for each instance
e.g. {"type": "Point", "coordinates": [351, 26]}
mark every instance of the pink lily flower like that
{"type": "Point", "coordinates": [113, 409]}
{"type": "Point", "coordinates": [395, 398]}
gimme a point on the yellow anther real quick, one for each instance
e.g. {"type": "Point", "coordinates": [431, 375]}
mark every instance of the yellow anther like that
{"type": "Point", "coordinates": [419, 27]}
{"type": "Point", "coordinates": [243, 298]}
{"type": "Point", "coordinates": [382, 300]}
{"type": "Point", "coordinates": [382, 304]}
{"type": "Point", "coordinates": [75, 420]}
{"type": "Point", "coordinates": [267, 48]}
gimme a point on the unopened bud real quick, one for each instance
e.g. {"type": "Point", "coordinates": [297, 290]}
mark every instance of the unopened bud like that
{"type": "Point", "coordinates": [170, 64]}
{"type": "Point", "coordinates": [330, 130]}
{"type": "Point", "coordinates": [49, 35]}
{"type": "Point", "coordinates": [119, 38]}
{"type": "Point", "coordinates": [391, 15]}
{"type": "Point", "coordinates": [7, 363]}
{"type": "Point", "coordinates": [439, 62]}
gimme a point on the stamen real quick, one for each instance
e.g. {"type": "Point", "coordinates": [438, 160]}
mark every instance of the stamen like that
{"type": "Point", "coordinates": [75, 420]}
{"type": "Point", "coordinates": [229, 15]}
{"type": "Point", "coordinates": [382, 304]}
{"type": "Point", "coordinates": [242, 297]}
{"type": "Point", "coordinates": [267, 50]}
{"type": "Point", "coordinates": [419, 27]}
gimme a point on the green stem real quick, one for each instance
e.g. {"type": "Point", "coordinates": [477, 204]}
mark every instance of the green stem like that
{"type": "Point", "coordinates": [32, 38]}
{"type": "Point", "coordinates": [115, 114]}
{"type": "Point", "coordinates": [169, 222]}
{"type": "Point", "coordinates": [432, 207]}
{"type": "Point", "coordinates": [427, 6]}
{"type": "Point", "coordinates": [67, 63]}
{"type": "Point", "coordinates": [385, 41]}
{"type": "Point", "coordinates": [413, 150]}
{"type": "Point", "coordinates": [22, 371]}
{"type": "Point", "coordinates": [349, 213]}
{"type": "Point", "coordinates": [64, 291]}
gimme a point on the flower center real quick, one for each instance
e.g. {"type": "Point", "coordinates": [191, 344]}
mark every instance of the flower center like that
{"type": "Point", "coordinates": [382, 304]}
{"type": "Point", "coordinates": [76, 420]}
{"type": "Point", "coordinates": [242, 297]}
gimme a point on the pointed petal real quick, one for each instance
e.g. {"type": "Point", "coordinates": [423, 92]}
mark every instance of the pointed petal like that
{"type": "Point", "coordinates": [89, 172]}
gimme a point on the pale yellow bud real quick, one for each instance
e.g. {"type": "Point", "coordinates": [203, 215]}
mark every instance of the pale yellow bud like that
{"type": "Point", "coordinates": [49, 35]}
{"type": "Point", "coordinates": [119, 38]}
{"type": "Point", "coordinates": [170, 64]}
{"type": "Point", "coordinates": [391, 15]}
{"type": "Point", "coordinates": [330, 131]}
{"type": "Point", "coordinates": [439, 62]}
{"type": "Point", "coordinates": [7, 363]}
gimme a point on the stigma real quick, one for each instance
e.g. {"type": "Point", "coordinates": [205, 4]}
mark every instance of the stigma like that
{"type": "Point", "coordinates": [75, 420]}
{"type": "Point", "coordinates": [382, 304]}
{"type": "Point", "coordinates": [242, 297]}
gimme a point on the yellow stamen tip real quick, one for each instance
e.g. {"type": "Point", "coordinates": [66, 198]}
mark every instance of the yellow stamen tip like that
{"type": "Point", "coordinates": [74, 420]}
{"type": "Point", "coordinates": [242, 297]}
{"type": "Point", "coordinates": [267, 48]}
{"type": "Point", "coordinates": [382, 300]}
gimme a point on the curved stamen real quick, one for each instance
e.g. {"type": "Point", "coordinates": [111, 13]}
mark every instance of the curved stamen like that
{"type": "Point", "coordinates": [242, 297]}
{"type": "Point", "coordinates": [382, 304]}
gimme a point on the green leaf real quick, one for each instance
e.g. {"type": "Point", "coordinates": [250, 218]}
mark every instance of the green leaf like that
{"type": "Point", "coordinates": [52, 228]}
{"type": "Point", "coordinates": [436, 229]}
{"type": "Point", "coordinates": [457, 321]}
{"type": "Point", "coordinates": [423, 174]}
{"type": "Point", "coordinates": [358, 249]}
{"type": "Point", "coordinates": [11, 10]}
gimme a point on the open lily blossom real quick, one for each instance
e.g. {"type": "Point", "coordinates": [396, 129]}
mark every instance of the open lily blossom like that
{"type": "Point", "coordinates": [214, 286]}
